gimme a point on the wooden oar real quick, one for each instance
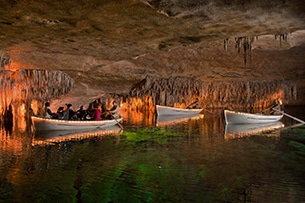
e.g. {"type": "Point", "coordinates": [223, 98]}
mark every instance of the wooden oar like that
{"type": "Point", "coordinates": [119, 124]}
{"type": "Point", "coordinates": [195, 102]}
{"type": "Point", "coordinates": [299, 120]}
{"type": "Point", "coordinates": [266, 109]}
{"type": "Point", "coordinates": [208, 111]}
{"type": "Point", "coordinates": [191, 104]}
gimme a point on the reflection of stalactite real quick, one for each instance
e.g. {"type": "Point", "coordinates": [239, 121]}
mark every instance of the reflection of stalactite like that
{"type": "Point", "coordinates": [282, 37]}
{"type": "Point", "coordinates": [8, 118]}
{"type": "Point", "coordinates": [246, 43]}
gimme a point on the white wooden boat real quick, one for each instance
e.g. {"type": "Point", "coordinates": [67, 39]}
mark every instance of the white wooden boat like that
{"type": "Point", "coordinates": [41, 123]}
{"type": "Point", "coordinates": [240, 117]}
{"type": "Point", "coordinates": [234, 131]}
{"type": "Point", "coordinates": [166, 110]}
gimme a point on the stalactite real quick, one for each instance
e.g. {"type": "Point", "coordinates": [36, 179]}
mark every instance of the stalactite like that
{"type": "Point", "coordinates": [225, 44]}
{"type": "Point", "coordinates": [282, 37]}
{"type": "Point", "coordinates": [237, 94]}
{"type": "Point", "coordinates": [5, 60]}
{"type": "Point", "coordinates": [238, 43]}
{"type": "Point", "coordinates": [246, 43]}
{"type": "Point", "coordinates": [23, 86]}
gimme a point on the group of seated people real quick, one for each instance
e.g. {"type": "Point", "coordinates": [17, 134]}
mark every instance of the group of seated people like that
{"type": "Point", "coordinates": [95, 111]}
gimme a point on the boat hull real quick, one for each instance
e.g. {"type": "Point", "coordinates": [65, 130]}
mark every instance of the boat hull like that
{"type": "Point", "coordinates": [55, 124]}
{"type": "Point", "coordinates": [233, 117]}
{"type": "Point", "coordinates": [165, 110]}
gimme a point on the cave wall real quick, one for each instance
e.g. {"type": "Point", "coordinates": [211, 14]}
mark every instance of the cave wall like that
{"type": "Point", "coordinates": [240, 94]}
{"type": "Point", "coordinates": [29, 89]}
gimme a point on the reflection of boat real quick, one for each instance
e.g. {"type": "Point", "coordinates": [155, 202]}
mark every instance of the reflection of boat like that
{"type": "Point", "coordinates": [241, 130]}
{"type": "Point", "coordinates": [240, 117]}
{"type": "Point", "coordinates": [50, 137]}
{"type": "Point", "coordinates": [174, 119]}
{"type": "Point", "coordinates": [166, 110]}
{"type": "Point", "coordinates": [55, 124]}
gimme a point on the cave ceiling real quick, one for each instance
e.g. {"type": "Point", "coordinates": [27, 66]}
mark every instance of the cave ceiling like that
{"type": "Point", "coordinates": [106, 46]}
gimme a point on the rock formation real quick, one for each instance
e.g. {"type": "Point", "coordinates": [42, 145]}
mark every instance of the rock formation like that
{"type": "Point", "coordinates": [180, 91]}
{"type": "Point", "coordinates": [22, 90]}
{"type": "Point", "coordinates": [106, 47]}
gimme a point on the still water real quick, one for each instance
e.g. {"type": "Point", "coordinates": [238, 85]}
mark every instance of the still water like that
{"type": "Point", "coordinates": [192, 160]}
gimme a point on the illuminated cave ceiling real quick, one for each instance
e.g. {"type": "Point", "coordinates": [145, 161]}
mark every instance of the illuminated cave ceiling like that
{"type": "Point", "coordinates": [106, 46]}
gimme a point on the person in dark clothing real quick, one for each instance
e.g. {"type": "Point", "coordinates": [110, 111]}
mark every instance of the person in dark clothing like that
{"type": "Point", "coordinates": [48, 110]}
{"type": "Point", "coordinates": [276, 108]}
{"type": "Point", "coordinates": [81, 113]}
{"type": "Point", "coordinates": [49, 113]}
{"type": "Point", "coordinates": [114, 112]}
{"type": "Point", "coordinates": [67, 112]}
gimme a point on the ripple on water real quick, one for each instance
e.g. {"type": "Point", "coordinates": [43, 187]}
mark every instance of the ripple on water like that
{"type": "Point", "coordinates": [275, 189]}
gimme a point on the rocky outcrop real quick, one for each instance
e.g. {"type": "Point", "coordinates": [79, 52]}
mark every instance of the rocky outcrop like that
{"type": "Point", "coordinates": [180, 91]}
{"type": "Point", "coordinates": [106, 47]}
{"type": "Point", "coordinates": [25, 89]}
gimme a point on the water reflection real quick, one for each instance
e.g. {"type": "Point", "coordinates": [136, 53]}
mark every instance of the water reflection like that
{"type": "Point", "coordinates": [175, 119]}
{"type": "Point", "coordinates": [51, 137]}
{"type": "Point", "coordinates": [233, 131]}
{"type": "Point", "coordinates": [190, 161]}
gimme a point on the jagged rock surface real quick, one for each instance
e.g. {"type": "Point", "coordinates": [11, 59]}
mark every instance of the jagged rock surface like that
{"type": "Point", "coordinates": [180, 91]}
{"type": "Point", "coordinates": [108, 46]}
{"type": "Point", "coordinates": [23, 88]}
